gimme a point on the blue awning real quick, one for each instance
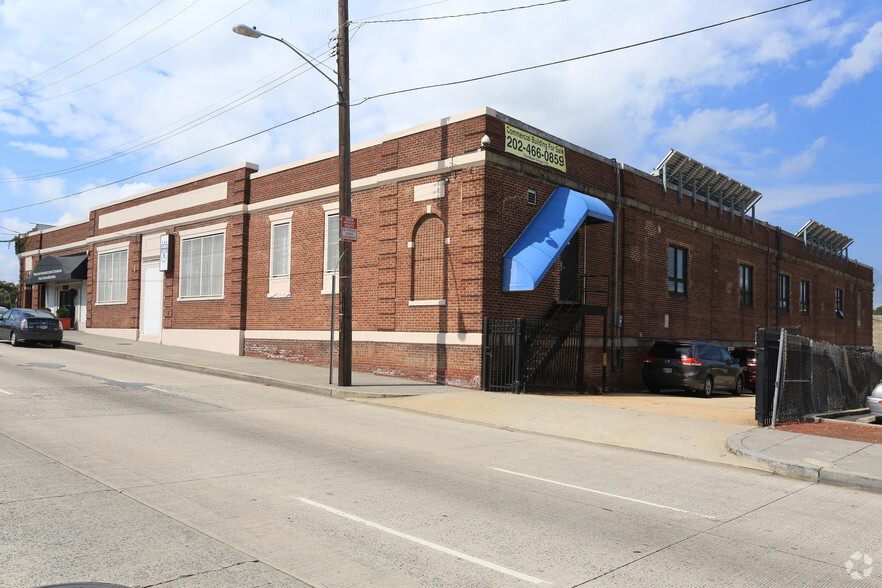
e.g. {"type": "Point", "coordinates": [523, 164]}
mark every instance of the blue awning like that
{"type": "Point", "coordinates": [528, 260]}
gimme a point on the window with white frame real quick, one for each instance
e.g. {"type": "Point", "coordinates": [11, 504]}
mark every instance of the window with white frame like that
{"type": "Point", "coordinates": [280, 255]}
{"type": "Point", "coordinates": [202, 266]}
{"type": "Point", "coordinates": [331, 261]}
{"type": "Point", "coordinates": [332, 243]}
{"type": "Point", "coordinates": [112, 277]}
{"type": "Point", "coordinates": [281, 250]}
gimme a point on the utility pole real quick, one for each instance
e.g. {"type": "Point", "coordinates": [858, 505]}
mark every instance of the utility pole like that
{"type": "Point", "coordinates": [344, 367]}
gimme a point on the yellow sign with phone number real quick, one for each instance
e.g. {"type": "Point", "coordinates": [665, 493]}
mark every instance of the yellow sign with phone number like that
{"type": "Point", "coordinates": [529, 146]}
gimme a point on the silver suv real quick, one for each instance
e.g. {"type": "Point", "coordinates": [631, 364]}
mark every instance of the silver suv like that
{"type": "Point", "coordinates": [692, 365]}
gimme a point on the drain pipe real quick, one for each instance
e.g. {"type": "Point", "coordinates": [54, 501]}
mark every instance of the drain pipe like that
{"type": "Point", "coordinates": [617, 325]}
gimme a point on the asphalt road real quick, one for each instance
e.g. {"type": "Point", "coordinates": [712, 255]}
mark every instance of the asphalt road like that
{"type": "Point", "coordinates": [120, 472]}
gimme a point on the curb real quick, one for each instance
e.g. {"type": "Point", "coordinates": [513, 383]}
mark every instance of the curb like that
{"type": "Point", "coordinates": [330, 391]}
{"type": "Point", "coordinates": [821, 473]}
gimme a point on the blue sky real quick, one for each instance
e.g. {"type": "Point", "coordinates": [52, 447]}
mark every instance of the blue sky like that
{"type": "Point", "coordinates": [92, 93]}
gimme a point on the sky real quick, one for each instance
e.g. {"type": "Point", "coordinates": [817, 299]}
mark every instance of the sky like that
{"type": "Point", "coordinates": [104, 99]}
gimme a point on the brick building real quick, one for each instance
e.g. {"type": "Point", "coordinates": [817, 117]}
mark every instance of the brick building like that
{"type": "Point", "coordinates": [462, 223]}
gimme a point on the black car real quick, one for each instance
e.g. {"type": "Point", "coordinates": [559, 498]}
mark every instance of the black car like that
{"type": "Point", "coordinates": [691, 365]}
{"type": "Point", "coordinates": [26, 325]}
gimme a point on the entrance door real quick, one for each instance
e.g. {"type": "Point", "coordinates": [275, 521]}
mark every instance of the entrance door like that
{"type": "Point", "coordinates": [68, 299]}
{"type": "Point", "coordinates": [569, 271]}
{"type": "Point", "coordinates": [151, 300]}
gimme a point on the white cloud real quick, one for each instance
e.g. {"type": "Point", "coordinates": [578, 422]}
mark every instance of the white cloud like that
{"type": "Point", "coordinates": [706, 128]}
{"type": "Point", "coordinates": [864, 59]}
{"type": "Point", "coordinates": [16, 125]}
{"type": "Point", "coordinates": [789, 196]}
{"type": "Point", "coordinates": [805, 160]}
{"type": "Point", "coordinates": [41, 150]}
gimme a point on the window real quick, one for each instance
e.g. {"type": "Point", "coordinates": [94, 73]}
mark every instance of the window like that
{"type": "Point", "coordinates": [280, 250]}
{"type": "Point", "coordinates": [676, 270]}
{"type": "Point", "coordinates": [745, 281]}
{"type": "Point", "coordinates": [784, 292]}
{"type": "Point", "coordinates": [202, 267]}
{"type": "Point", "coordinates": [112, 277]}
{"type": "Point", "coordinates": [280, 255]}
{"type": "Point", "coordinates": [804, 297]}
{"type": "Point", "coordinates": [428, 260]}
{"type": "Point", "coordinates": [858, 307]}
{"type": "Point", "coordinates": [838, 300]}
{"type": "Point", "coordinates": [332, 243]}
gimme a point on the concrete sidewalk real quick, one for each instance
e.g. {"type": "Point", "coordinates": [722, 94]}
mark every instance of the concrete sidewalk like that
{"type": "Point", "coordinates": [712, 436]}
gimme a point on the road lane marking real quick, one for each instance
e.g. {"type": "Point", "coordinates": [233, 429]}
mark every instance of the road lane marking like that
{"type": "Point", "coordinates": [425, 543]}
{"type": "Point", "coordinates": [156, 389]}
{"type": "Point", "coordinates": [7, 393]}
{"type": "Point", "coordinates": [604, 493]}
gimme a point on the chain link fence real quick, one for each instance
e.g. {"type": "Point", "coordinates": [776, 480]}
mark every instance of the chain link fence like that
{"type": "Point", "coordinates": [813, 377]}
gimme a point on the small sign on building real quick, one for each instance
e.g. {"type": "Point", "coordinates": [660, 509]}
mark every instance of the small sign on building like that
{"type": "Point", "coordinates": [165, 252]}
{"type": "Point", "coordinates": [349, 228]}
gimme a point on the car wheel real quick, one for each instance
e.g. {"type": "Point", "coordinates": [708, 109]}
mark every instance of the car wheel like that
{"type": "Point", "coordinates": [13, 340]}
{"type": "Point", "coordinates": [739, 387]}
{"type": "Point", "coordinates": [708, 387]}
{"type": "Point", "coordinates": [56, 344]}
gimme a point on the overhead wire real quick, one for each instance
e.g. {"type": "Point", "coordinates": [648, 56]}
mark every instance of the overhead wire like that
{"type": "Point", "coordinates": [469, 14]}
{"type": "Point", "coordinates": [92, 46]}
{"type": "Point", "coordinates": [580, 57]}
{"type": "Point", "coordinates": [172, 163]}
{"type": "Point", "coordinates": [414, 89]}
{"type": "Point", "coordinates": [149, 59]}
{"type": "Point", "coordinates": [103, 59]}
{"type": "Point", "coordinates": [289, 75]}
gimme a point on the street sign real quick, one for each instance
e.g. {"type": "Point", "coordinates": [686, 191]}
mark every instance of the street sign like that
{"type": "Point", "coordinates": [349, 228]}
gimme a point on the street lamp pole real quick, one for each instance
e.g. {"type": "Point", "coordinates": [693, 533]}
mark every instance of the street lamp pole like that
{"type": "Point", "coordinates": [344, 154]}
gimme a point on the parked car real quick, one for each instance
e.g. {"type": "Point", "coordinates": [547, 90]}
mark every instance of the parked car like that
{"type": "Point", "coordinates": [746, 357]}
{"type": "Point", "coordinates": [691, 365]}
{"type": "Point", "coordinates": [874, 402]}
{"type": "Point", "coordinates": [26, 325]}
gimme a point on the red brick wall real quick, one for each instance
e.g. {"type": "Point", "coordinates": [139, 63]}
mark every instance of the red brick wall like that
{"type": "Point", "coordinates": [483, 212]}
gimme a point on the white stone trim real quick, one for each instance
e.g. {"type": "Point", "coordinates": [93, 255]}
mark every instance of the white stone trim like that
{"type": "Point", "coordinates": [204, 231]}
{"type": "Point", "coordinates": [400, 337]}
{"type": "Point", "coordinates": [169, 204]}
{"type": "Point", "coordinates": [418, 303]}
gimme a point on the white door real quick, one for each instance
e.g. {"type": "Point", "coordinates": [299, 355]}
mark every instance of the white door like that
{"type": "Point", "coordinates": [151, 300]}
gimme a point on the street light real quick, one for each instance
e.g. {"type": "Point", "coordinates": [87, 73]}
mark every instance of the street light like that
{"type": "Point", "coordinates": [344, 366]}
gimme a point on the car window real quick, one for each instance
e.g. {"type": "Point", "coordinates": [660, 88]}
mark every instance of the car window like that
{"type": "Point", "coordinates": [726, 357]}
{"type": "Point", "coordinates": [711, 352]}
{"type": "Point", "coordinates": [668, 350]}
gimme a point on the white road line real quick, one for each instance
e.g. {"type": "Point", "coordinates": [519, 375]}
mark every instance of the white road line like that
{"type": "Point", "coordinates": [7, 393]}
{"type": "Point", "coordinates": [604, 493]}
{"type": "Point", "coordinates": [424, 543]}
{"type": "Point", "coordinates": [157, 389]}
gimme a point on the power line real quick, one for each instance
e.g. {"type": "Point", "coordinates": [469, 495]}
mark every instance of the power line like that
{"type": "Point", "coordinates": [90, 66]}
{"type": "Point", "coordinates": [92, 46]}
{"type": "Point", "coordinates": [570, 59]}
{"type": "Point", "coordinates": [170, 164]}
{"type": "Point", "coordinates": [163, 52]}
{"type": "Point", "coordinates": [461, 15]}
{"type": "Point", "coordinates": [408, 9]}
{"type": "Point", "coordinates": [286, 77]}
{"type": "Point", "coordinates": [479, 78]}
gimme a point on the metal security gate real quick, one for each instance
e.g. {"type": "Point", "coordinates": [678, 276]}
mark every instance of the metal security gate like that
{"type": "Point", "coordinates": [503, 342]}
{"type": "Point", "coordinates": [530, 355]}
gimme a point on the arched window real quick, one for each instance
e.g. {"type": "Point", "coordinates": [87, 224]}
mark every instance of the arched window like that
{"type": "Point", "coordinates": [429, 260]}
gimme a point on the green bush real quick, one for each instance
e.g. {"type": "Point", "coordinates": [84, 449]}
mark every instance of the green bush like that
{"type": "Point", "coordinates": [63, 312]}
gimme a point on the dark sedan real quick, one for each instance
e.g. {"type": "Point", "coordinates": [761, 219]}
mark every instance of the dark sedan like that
{"type": "Point", "coordinates": [26, 325]}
